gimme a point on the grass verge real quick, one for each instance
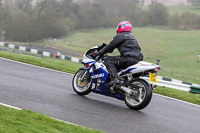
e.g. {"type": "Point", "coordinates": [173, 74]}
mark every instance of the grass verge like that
{"type": "Point", "coordinates": [24, 121]}
{"type": "Point", "coordinates": [181, 95]}
{"type": "Point", "coordinates": [57, 64]}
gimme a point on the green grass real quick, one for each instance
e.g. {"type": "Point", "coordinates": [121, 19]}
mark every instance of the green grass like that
{"type": "Point", "coordinates": [177, 50]}
{"type": "Point", "coordinates": [57, 64]}
{"type": "Point", "coordinates": [181, 95]}
{"type": "Point", "coordinates": [79, 42]}
{"type": "Point", "coordinates": [24, 121]}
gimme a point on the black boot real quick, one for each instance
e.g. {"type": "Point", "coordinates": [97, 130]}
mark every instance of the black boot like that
{"type": "Point", "coordinates": [110, 65]}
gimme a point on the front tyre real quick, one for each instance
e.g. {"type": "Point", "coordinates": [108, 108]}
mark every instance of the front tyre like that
{"type": "Point", "coordinates": [140, 96]}
{"type": "Point", "coordinates": [82, 82]}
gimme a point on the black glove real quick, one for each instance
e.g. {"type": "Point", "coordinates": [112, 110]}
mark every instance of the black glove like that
{"type": "Point", "coordinates": [98, 55]}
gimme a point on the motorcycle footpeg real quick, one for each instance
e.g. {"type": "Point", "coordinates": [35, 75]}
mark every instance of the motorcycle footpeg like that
{"type": "Point", "coordinates": [115, 85]}
{"type": "Point", "coordinates": [108, 86]}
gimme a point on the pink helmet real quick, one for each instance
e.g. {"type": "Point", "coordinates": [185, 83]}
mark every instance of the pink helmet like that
{"type": "Point", "coordinates": [124, 26]}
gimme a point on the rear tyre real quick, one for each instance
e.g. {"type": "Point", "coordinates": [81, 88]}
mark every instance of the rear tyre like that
{"type": "Point", "coordinates": [140, 96]}
{"type": "Point", "coordinates": [82, 82]}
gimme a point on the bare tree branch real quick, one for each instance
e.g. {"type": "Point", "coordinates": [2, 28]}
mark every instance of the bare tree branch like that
{"type": "Point", "coordinates": [44, 3]}
{"type": "Point", "coordinates": [23, 4]}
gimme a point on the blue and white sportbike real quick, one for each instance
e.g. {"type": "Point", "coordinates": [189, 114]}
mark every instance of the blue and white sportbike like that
{"type": "Point", "coordinates": [135, 91]}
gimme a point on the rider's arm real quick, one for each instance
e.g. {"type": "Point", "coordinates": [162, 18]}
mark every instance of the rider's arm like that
{"type": "Point", "coordinates": [117, 40]}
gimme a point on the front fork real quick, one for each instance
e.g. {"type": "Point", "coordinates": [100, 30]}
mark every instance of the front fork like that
{"type": "Point", "coordinates": [83, 75]}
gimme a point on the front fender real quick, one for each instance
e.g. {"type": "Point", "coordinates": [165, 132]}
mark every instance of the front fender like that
{"type": "Point", "coordinates": [83, 68]}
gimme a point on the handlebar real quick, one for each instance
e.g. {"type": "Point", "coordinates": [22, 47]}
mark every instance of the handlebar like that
{"type": "Point", "coordinates": [94, 52]}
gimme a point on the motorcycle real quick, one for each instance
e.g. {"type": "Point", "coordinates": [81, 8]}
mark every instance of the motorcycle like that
{"type": "Point", "coordinates": [133, 90]}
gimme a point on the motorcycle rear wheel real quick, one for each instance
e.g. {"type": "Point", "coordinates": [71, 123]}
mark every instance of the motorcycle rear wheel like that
{"type": "Point", "coordinates": [141, 97]}
{"type": "Point", "coordinates": [82, 87]}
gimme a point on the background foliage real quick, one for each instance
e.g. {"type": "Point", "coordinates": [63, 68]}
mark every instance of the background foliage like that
{"type": "Point", "coordinates": [31, 20]}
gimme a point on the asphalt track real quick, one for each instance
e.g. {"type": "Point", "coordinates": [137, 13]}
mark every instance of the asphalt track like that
{"type": "Point", "coordinates": [50, 93]}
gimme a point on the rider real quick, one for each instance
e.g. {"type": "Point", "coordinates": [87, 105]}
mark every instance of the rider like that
{"type": "Point", "coordinates": [130, 51]}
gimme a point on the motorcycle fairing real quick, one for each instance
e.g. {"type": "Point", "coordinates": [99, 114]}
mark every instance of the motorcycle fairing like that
{"type": "Point", "coordinates": [139, 67]}
{"type": "Point", "coordinates": [99, 74]}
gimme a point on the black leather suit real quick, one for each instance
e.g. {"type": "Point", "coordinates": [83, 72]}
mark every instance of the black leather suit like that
{"type": "Point", "coordinates": [130, 52]}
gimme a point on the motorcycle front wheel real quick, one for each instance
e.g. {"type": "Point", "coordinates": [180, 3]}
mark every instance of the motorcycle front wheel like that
{"type": "Point", "coordinates": [82, 82]}
{"type": "Point", "coordinates": [140, 96]}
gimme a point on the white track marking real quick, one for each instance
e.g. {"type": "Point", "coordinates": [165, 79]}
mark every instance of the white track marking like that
{"type": "Point", "coordinates": [177, 100]}
{"type": "Point", "coordinates": [10, 106]}
{"type": "Point", "coordinates": [36, 66]}
{"type": "Point", "coordinates": [6, 105]}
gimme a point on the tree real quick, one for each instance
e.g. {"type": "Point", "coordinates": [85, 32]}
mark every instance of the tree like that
{"type": "Point", "coordinates": [152, 2]}
{"type": "Point", "coordinates": [142, 2]}
{"type": "Point", "coordinates": [175, 21]}
{"type": "Point", "coordinates": [24, 21]}
{"type": "Point", "coordinates": [41, 5]}
{"type": "Point", "coordinates": [67, 8]}
{"type": "Point", "coordinates": [194, 2]}
{"type": "Point", "coordinates": [23, 4]}
{"type": "Point", "coordinates": [190, 20]}
{"type": "Point", "coordinates": [22, 27]}
{"type": "Point", "coordinates": [158, 14]}
{"type": "Point", "coordinates": [5, 14]}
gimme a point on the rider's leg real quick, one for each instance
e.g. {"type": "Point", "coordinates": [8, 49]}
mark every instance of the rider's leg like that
{"type": "Point", "coordinates": [110, 62]}
{"type": "Point", "coordinates": [117, 62]}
